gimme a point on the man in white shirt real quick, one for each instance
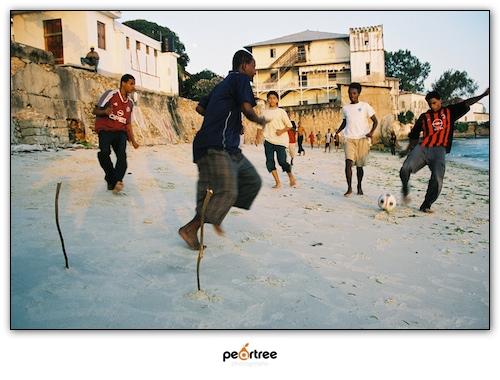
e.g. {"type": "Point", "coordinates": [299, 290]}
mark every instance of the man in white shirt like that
{"type": "Point", "coordinates": [357, 135]}
{"type": "Point", "coordinates": [276, 138]}
{"type": "Point", "coordinates": [328, 140]}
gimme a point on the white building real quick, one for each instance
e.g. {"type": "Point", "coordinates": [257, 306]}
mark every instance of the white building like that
{"type": "Point", "coordinates": [367, 54]}
{"type": "Point", "coordinates": [70, 34]}
{"type": "Point", "coordinates": [414, 102]}
{"type": "Point", "coordinates": [476, 114]}
{"type": "Point", "coordinates": [308, 67]}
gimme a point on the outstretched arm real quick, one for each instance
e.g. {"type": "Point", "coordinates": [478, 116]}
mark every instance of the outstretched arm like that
{"type": "Point", "coordinates": [342, 126]}
{"type": "Point", "coordinates": [475, 99]}
{"type": "Point", "coordinates": [250, 114]}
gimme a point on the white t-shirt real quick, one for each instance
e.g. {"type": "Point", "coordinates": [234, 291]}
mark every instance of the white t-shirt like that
{"type": "Point", "coordinates": [279, 120]}
{"type": "Point", "coordinates": [356, 117]}
{"type": "Point", "coordinates": [328, 137]}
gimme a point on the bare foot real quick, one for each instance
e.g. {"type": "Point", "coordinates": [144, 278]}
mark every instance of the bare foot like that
{"type": "Point", "coordinates": [190, 236]}
{"type": "Point", "coordinates": [118, 187]}
{"type": "Point", "coordinates": [277, 186]}
{"type": "Point", "coordinates": [218, 230]}
{"type": "Point", "coordinates": [360, 191]}
{"type": "Point", "coordinates": [348, 193]}
{"type": "Point", "coordinates": [293, 181]}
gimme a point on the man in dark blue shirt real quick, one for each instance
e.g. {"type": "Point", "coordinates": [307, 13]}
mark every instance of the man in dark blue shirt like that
{"type": "Point", "coordinates": [221, 165]}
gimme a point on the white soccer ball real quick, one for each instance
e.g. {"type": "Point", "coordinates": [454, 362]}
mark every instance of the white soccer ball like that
{"type": "Point", "coordinates": [387, 202]}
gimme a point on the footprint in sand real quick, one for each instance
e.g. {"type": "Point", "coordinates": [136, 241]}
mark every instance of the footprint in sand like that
{"type": "Point", "coordinates": [202, 295]}
{"type": "Point", "coordinates": [167, 186]}
{"type": "Point", "coordinates": [270, 281]}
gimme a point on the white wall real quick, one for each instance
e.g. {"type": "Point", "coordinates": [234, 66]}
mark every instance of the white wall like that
{"type": "Point", "coordinates": [28, 30]}
{"type": "Point", "coordinates": [372, 53]}
{"type": "Point", "coordinates": [79, 30]}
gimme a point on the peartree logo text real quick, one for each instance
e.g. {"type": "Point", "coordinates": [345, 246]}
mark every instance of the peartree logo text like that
{"type": "Point", "coordinates": [244, 354]}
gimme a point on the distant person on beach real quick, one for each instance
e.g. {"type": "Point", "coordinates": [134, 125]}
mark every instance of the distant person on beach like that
{"type": "Point", "coordinates": [311, 139]}
{"type": "Point", "coordinates": [336, 141]}
{"type": "Point", "coordinates": [328, 140]}
{"type": "Point", "coordinates": [437, 126]}
{"type": "Point", "coordinates": [301, 135]}
{"type": "Point", "coordinates": [318, 139]}
{"type": "Point", "coordinates": [393, 142]}
{"type": "Point", "coordinates": [276, 138]}
{"type": "Point", "coordinates": [292, 141]}
{"type": "Point", "coordinates": [357, 135]}
{"type": "Point", "coordinates": [222, 167]}
{"type": "Point", "coordinates": [91, 59]}
{"type": "Point", "coordinates": [113, 127]}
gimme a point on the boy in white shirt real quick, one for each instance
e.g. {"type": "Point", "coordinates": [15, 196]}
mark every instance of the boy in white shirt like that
{"type": "Point", "coordinates": [276, 138]}
{"type": "Point", "coordinates": [357, 135]}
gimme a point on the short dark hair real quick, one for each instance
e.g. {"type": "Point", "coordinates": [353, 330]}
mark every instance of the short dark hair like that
{"type": "Point", "coordinates": [241, 57]}
{"type": "Point", "coordinates": [356, 86]}
{"type": "Point", "coordinates": [432, 95]}
{"type": "Point", "coordinates": [126, 78]}
{"type": "Point", "coordinates": [273, 93]}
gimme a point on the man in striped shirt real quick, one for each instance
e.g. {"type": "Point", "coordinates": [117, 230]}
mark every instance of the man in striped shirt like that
{"type": "Point", "coordinates": [436, 125]}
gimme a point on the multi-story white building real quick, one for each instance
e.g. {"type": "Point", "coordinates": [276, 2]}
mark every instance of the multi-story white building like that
{"type": "Point", "coordinates": [307, 67]}
{"type": "Point", "coordinates": [70, 34]}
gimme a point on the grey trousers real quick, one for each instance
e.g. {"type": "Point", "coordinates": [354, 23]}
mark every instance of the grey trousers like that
{"type": "Point", "coordinates": [434, 158]}
{"type": "Point", "coordinates": [233, 179]}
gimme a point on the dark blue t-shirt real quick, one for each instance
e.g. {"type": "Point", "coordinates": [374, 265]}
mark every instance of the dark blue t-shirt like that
{"type": "Point", "coordinates": [222, 126]}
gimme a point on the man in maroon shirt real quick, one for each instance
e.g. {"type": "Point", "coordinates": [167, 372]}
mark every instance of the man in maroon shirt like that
{"type": "Point", "coordinates": [113, 126]}
{"type": "Point", "coordinates": [437, 125]}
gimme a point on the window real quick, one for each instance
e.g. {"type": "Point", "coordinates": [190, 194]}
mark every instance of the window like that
{"type": "Point", "coordinates": [301, 53]}
{"type": "Point", "coordinates": [156, 53]}
{"type": "Point", "coordinates": [101, 35]}
{"type": "Point", "coordinates": [274, 76]}
{"type": "Point", "coordinates": [137, 45]}
{"type": "Point", "coordinates": [368, 68]}
{"type": "Point", "coordinates": [147, 49]}
{"type": "Point", "coordinates": [52, 30]}
{"type": "Point", "coordinates": [366, 39]}
{"type": "Point", "coordinates": [332, 76]}
{"type": "Point", "coordinates": [303, 80]}
{"type": "Point", "coordinates": [272, 53]}
{"type": "Point", "coordinates": [127, 42]}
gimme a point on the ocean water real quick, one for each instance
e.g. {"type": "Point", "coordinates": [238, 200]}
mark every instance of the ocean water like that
{"type": "Point", "coordinates": [471, 152]}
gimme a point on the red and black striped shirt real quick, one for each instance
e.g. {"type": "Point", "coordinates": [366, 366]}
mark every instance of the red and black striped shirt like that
{"type": "Point", "coordinates": [437, 127]}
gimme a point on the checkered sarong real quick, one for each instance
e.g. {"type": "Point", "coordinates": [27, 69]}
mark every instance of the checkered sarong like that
{"type": "Point", "coordinates": [233, 179]}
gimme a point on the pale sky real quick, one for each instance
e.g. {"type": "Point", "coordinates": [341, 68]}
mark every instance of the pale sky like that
{"type": "Point", "coordinates": [446, 39]}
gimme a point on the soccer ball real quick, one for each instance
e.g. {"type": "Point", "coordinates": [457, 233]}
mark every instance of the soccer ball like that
{"type": "Point", "coordinates": [387, 202]}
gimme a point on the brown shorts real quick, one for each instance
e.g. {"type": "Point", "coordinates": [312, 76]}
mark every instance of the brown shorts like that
{"type": "Point", "coordinates": [357, 151]}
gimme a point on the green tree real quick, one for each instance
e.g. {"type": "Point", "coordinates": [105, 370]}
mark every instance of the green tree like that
{"type": "Point", "coordinates": [199, 84]}
{"type": "Point", "coordinates": [454, 84]}
{"type": "Point", "coordinates": [153, 30]}
{"type": "Point", "coordinates": [408, 68]}
{"type": "Point", "coordinates": [406, 117]}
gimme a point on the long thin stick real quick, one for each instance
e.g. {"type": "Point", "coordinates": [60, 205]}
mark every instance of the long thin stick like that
{"type": "Point", "coordinates": [57, 222]}
{"type": "Point", "coordinates": [202, 247]}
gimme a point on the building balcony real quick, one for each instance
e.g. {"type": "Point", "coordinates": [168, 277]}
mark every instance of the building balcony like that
{"type": "Point", "coordinates": [298, 85]}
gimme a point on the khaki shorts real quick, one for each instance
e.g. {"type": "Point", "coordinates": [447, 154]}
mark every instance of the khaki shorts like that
{"type": "Point", "coordinates": [357, 151]}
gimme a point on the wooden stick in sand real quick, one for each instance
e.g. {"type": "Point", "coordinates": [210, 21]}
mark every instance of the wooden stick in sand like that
{"type": "Point", "coordinates": [202, 247]}
{"type": "Point", "coordinates": [57, 223]}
